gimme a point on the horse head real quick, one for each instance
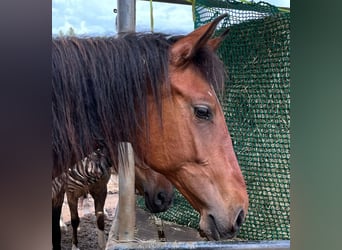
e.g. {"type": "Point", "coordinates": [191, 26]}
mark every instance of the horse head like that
{"type": "Point", "coordinates": [191, 144]}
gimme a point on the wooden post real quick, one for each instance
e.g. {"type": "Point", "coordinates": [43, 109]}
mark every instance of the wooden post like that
{"type": "Point", "coordinates": [123, 226]}
{"type": "Point", "coordinates": [126, 193]}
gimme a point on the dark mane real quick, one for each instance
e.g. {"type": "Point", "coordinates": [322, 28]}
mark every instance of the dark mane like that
{"type": "Point", "coordinates": [211, 67]}
{"type": "Point", "coordinates": [100, 88]}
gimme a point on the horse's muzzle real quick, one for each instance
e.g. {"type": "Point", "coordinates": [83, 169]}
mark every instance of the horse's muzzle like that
{"type": "Point", "coordinates": [159, 202]}
{"type": "Point", "coordinates": [215, 229]}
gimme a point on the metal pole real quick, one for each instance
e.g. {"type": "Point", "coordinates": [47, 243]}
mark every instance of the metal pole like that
{"type": "Point", "coordinates": [126, 16]}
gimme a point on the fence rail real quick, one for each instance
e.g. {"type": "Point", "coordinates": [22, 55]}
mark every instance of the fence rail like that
{"type": "Point", "coordinates": [249, 245]}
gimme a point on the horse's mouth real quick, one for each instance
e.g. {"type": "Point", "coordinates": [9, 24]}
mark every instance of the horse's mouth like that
{"type": "Point", "coordinates": [149, 204]}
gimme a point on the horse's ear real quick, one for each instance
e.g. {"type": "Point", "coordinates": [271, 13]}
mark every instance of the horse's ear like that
{"type": "Point", "coordinates": [214, 43]}
{"type": "Point", "coordinates": [185, 48]}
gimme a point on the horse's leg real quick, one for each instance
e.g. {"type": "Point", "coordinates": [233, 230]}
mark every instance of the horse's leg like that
{"type": "Point", "coordinates": [81, 204]}
{"type": "Point", "coordinates": [75, 220]}
{"type": "Point", "coordinates": [99, 194]}
{"type": "Point", "coordinates": [56, 216]}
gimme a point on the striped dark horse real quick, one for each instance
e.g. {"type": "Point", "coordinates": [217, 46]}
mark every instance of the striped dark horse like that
{"type": "Point", "coordinates": [91, 175]}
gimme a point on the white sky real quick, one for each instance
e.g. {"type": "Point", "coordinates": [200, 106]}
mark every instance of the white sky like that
{"type": "Point", "coordinates": [96, 17]}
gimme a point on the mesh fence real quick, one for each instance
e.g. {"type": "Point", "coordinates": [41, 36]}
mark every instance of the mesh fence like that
{"type": "Point", "coordinates": [257, 110]}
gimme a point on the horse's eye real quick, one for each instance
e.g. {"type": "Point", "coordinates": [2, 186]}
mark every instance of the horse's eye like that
{"type": "Point", "coordinates": [203, 113]}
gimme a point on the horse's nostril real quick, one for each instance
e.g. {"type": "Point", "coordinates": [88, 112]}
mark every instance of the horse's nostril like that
{"type": "Point", "coordinates": [239, 219]}
{"type": "Point", "coordinates": [160, 198]}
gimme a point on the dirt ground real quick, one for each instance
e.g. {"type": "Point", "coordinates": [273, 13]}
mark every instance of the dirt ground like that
{"type": "Point", "coordinates": [146, 228]}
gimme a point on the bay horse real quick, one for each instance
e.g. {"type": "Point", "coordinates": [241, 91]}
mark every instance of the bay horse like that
{"type": "Point", "coordinates": [91, 175]}
{"type": "Point", "coordinates": [160, 94]}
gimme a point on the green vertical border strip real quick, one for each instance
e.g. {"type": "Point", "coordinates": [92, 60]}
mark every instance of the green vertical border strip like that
{"type": "Point", "coordinates": [316, 148]}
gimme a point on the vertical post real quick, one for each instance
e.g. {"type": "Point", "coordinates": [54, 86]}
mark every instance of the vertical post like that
{"type": "Point", "coordinates": [126, 16]}
{"type": "Point", "coordinates": [123, 225]}
{"type": "Point", "coordinates": [126, 214]}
